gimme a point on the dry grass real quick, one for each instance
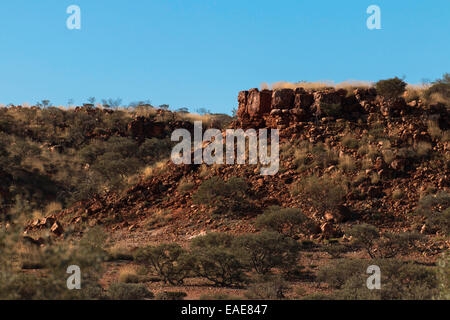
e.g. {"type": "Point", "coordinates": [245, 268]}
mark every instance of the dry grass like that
{"type": "Point", "coordinates": [317, 85]}
{"type": "Point", "coordinates": [346, 163]}
{"type": "Point", "coordinates": [159, 167]}
{"type": "Point", "coordinates": [414, 91]}
{"type": "Point", "coordinates": [206, 119]}
{"type": "Point", "coordinates": [128, 274]}
{"type": "Point", "coordinates": [120, 251]}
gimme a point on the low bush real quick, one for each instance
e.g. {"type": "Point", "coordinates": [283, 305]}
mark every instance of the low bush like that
{"type": "Point", "coordinates": [338, 273]}
{"type": "Point", "coordinates": [435, 208]}
{"type": "Point", "coordinates": [350, 141]}
{"type": "Point", "coordinates": [171, 262]}
{"type": "Point", "coordinates": [335, 250]}
{"type": "Point", "coordinates": [128, 274]}
{"type": "Point", "coordinates": [325, 193]}
{"type": "Point", "coordinates": [288, 221]}
{"type": "Point", "coordinates": [217, 261]}
{"type": "Point", "coordinates": [129, 291]}
{"type": "Point", "coordinates": [267, 250]}
{"type": "Point", "coordinates": [439, 91]}
{"type": "Point", "coordinates": [399, 281]}
{"type": "Point", "coordinates": [171, 295]}
{"type": "Point", "coordinates": [382, 245]}
{"type": "Point", "coordinates": [391, 88]}
{"type": "Point", "coordinates": [224, 197]}
{"type": "Point", "coordinates": [271, 289]}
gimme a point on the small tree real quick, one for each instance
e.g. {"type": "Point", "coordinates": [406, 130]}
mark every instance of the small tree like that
{"type": "Point", "coordinates": [435, 208]}
{"type": "Point", "coordinates": [169, 261]}
{"type": "Point", "coordinates": [388, 244]}
{"type": "Point", "coordinates": [217, 261]}
{"type": "Point", "coordinates": [325, 193]}
{"type": "Point", "coordinates": [288, 221]}
{"type": "Point", "coordinates": [223, 197]}
{"type": "Point", "coordinates": [267, 250]}
{"type": "Point", "coordinates": [439, 87]}
{"type": "Point", "coordinates": [365, 236]}
{"type": "Point", "coordinates": [391, 88]}
{"type": "Point", "coordinates": [112, 103]}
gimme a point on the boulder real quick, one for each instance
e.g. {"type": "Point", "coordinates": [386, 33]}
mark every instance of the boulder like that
{"type": "Point", "coordinates": [303, 100]}
{"type": "Point", "coordinates": [328, 230]}
{"type": "Point", "coordinates": [283, 99]}
{"type": "Point", "coordinates": [57, 229]}
{"type": "Point", "coordinates": [258, 102]}
{"type": "Point", "coordinates": [329, 97]}
{"type": "Point", "coordinates": [242, 101]}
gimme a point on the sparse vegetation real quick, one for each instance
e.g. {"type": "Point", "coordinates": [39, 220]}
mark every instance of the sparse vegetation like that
{"type": "Point", "coordinates": [129, 291]}
{"type": "Point", "coordinates": [391, 88]}
{"type": "Point", "coordinates": [325, 192]}
{"type": "Point", "coordinates": [288, 221]}
{"type": "Point", "coordinates": [63, 172]}
{"type": "Point", "coordinates": [171, 262]}
{"type": "Point", "coordinates": [224, 197]}
{"type": "Point", "coordinates": [266, 251]}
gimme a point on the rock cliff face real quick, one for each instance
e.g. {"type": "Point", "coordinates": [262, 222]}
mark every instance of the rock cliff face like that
{"type": "Point", "coordinates": [284, 108]}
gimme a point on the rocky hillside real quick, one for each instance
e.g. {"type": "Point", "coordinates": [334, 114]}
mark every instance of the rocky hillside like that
{"type": "Point", "coordinates": [347, 156]}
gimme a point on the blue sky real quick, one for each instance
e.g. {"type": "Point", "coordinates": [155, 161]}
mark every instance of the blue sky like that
{"type": "Point", "coordinates": [200, 53]}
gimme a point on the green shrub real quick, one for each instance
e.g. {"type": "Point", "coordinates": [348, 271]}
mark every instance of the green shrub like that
{"type": "Point", "coordinates": [325, 193]}
{"type": "Point", "coordinates": [217, 261]}
{"type": "Point", "coordinates": [223, 197]}
{"type": "Point", "coordinates": [350, 141]}
{"type": "Point", "coordinates": [288, 221]}
{"type": "Point", "coordinates": [153, 150]}
{"type": "Point", "coordinates": [273, 289]}
{"type": "Point", "coordinates": [382, 245]}
{"type": "Point", "coordinates": [171, 262]}
{"type": "Point", "coordinates": [185, 186]}
{"type": "Point", "coordinates": [399, 281]}
{"type": "Point", "coordinates": [267, 250]}
{"type": "Point", "coordinates": [435, 208]}
{"type": "Point", "coordinates": [391, 88]}
{"type": "Point", "coordinates": [440, 88]}
{"type": "Point", "coordinates": [335, 250]}
{"type": "Point", "coordinates": [338, 273]}
{"type": "Point", "coordinates": [171, 295]}
{"type": "Point", "coordinates": [391, 245]}
{"type": "Point", "coordinates": [50, 282]}
{"type": "Point", "coordinates": [443, 276]}
{"type": "Point", "coordinates": [129, 291]}
{"type": "Point", "coordinates": [365, 235]}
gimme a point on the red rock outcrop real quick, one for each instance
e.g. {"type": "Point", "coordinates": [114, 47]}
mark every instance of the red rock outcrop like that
{"type": "Point", "coordinates": [283, 108]}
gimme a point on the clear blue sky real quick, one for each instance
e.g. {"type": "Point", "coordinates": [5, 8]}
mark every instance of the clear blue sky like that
{"type": "Point", "coordinates": [200, 53]}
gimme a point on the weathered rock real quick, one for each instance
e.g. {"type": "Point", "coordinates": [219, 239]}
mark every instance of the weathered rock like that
{"type": "Point", "coordinates": [57, 229]}
{"type": "Point", "coordinates": [329, 97]}
{"type": "Point", "coordinates": [258, 102]}
{"type": "Point", "coordinates": [303, 100]}
{"type": "Point", "coordinates": [283, 99]}
{"type": "Point", "coordinates": [242, 101]}
{"type": "Point", "coordinates": [48, 222]}
{"type": "Point", "coordinates": [328, 230]}
{"type": "Point", "coordinates": [367, 94]}
{"type": "Point", "coordinates": [142, 127]}
{"type": "Point", "coordinates": [398, 165]}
